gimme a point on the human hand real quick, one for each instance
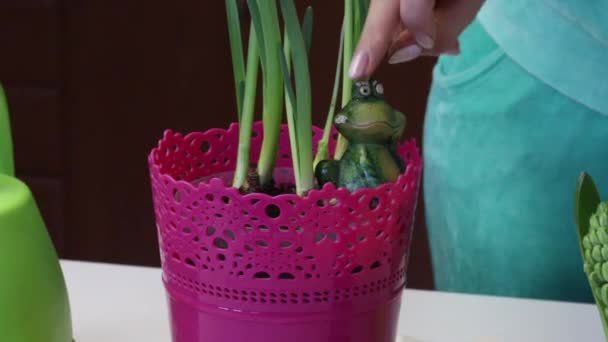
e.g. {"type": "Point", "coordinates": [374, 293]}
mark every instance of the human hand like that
{"type": "Point", "coordinates": [407, 29]}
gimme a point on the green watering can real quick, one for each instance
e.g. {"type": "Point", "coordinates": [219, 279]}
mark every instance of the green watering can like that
{"type": "Point", "coordinates": [34, 305]}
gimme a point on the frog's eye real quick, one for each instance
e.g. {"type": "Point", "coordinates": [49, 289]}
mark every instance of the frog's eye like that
{"type": "Point", "coordinates": [365, 90]}
{"type": "Point", "coordinates": [340, 119]}
{"type": "Point", "coordinates": [379, 89]}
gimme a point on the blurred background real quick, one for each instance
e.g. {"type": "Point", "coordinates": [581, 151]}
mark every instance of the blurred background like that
{"type": "Point", "coordinates": [92, 85]}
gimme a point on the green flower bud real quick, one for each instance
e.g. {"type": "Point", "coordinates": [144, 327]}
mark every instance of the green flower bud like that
{"type": "Point", "coordinates": [594, 281]}
{"type": "Point", "coordinates": [588, 257]}
{"type": "Point", "coordinates": [593, 221]}
{"type": "Point", "coordinates": [604, 294]}
{"type": "Point", "coordinates": [605, 252]}
{"type": "Point", "coordinates": [593, 237]}
{"type": "Point", "coordinates": [603, 220]}
{"type": "Point", "coordinates": [602, 235]}
{"type": "Point", "coordinates": [586, 242]}
{"type": "Point", "coordinates": [605, 271]}
{"type": "Point", "coordinates": [596, 253]}
{"type": "Point", "coordinates": [597, 274]}
{"type": "Point", "coordinates": [587, 268]}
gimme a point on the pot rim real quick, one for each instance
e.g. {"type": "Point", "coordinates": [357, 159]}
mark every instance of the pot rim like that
{"type": "Point", "coordinates": [413, 169]}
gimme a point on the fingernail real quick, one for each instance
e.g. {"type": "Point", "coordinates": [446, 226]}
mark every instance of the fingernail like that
{"type": "Point", "coordinates": [406, 54]}
{"type": "Point", "coordinates": [358, 65]}
{"type": "Point", "coordinates": [425, 40]}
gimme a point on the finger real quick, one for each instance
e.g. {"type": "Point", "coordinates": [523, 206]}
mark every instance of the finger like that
{"type": "Point", "coordinates": [382, 21]}
{"type": "Point", "coordinates": [452, 20]}
{"type": "Point", "coordinates": [406, 39]}
{"type": "Point", "coordinates": [404, 48]}
{"type": "Point", "coordinates": [419, 18]}
{"type": "Point", "coordinates": [402, 39]}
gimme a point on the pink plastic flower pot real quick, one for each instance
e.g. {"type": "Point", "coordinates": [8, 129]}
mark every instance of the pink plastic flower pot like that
{"type": "Point", "coordinates": [330, 266]}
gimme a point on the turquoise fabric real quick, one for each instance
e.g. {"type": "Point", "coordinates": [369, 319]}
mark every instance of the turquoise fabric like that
{"type": "Point", "coordinates": [564, 43]}
{"type": "Point", "coordinates": [502, 152]}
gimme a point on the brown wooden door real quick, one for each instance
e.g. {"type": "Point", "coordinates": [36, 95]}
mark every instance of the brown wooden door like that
{"type": "Point", "coordinates": [92, 85]}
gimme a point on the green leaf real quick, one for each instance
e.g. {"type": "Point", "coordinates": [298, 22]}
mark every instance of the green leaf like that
{"type": "Point", "coordinates": [291, 113]}
{"type": "Point", "coordinates": [287, 56]}
{"type": "Point", "coordinates": [241, 98]}
{"type": "Point", "coordinates": [587, 199]}
{"type": "Point", "coordinates": [289, 106]}
{"type": "Point", "coordinates": [256, 20]}
{"type": "Point", "coordinates": [357, 24]}
{"type": "Point", "coordinates": [350, 23]}
{"type": "Point", "coordinates": [307, 28]}
{"type": "Point", "coordinates": [363, 8]}
{"type": "Point", "coordinates": [364, 4]}
{"type": "Point", "coordinates": [303, 104]}
{"type": "Point", "coordinates": [236, 48]}
{"type": "Point", "coordinates": [349, 46]}
{"type": "Point", "coordinates": [246, 123]}
{"type": "Point", "coordinates": [323, 151]}
{"type": "Point", "coordinates": [360, 16]}
{"type": "Point", "coordinates": [287, 78]}
{"type": "Point", "coordinates": [273, 90]}
{"type": "Point", "coordinates": [334, 95]}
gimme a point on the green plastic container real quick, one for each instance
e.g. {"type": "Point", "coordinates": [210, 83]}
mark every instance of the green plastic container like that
{"type": "Point", "coordinates": [34, 304]}
{"type": "Point", "coordinates": [6, 146]}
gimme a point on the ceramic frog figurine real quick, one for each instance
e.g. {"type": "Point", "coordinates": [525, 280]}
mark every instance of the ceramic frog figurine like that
{"type": "Point", "coordinates": [372, 128]}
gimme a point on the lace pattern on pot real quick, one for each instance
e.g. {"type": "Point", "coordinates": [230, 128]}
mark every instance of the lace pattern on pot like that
{"type": "Point", "coordinates": [218, 244]}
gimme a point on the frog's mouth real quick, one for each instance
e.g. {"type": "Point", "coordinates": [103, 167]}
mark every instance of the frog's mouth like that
{"type": "Point", "coordinates": [373, 124]}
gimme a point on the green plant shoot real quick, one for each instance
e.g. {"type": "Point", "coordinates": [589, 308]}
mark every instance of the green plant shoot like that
{"type": "Point", "coordinates": [355, 13]}
{"type": "Point", "coordinates": [268, 20]}
{"type": "Point", "coordinates": [307, 29]}
{"type": "Point", "coordinates": [248, 108]}
{"type": "Point", "coordinates": [276, 57]}
{"type": "Point", "coordinates": [323, 146]}
{"type": "Point", "coordinates": [360, 14]}
{"type": "Point", "coordinates": [300, 116]}
{"type": "Point", "coordinates": [349, 43]}
{"type": "Point", "coordinates": [245, 85]}
{"type": "Point", "coordinates": [236, 49]}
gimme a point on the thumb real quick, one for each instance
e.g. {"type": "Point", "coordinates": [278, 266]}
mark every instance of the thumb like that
{"type": "Point", "coordinates": [382, 22]}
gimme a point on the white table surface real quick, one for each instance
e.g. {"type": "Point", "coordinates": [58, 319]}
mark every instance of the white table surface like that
{"type": "Point", "coordinates": [112, 303]}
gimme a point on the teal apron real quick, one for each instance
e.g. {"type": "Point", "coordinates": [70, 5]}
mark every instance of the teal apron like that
{"type": "Point", "coordinates": [502, 152]}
